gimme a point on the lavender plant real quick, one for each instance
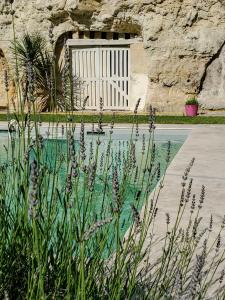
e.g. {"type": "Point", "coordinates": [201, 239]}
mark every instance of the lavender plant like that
{"type": "Point", "coordinates": [64, 236]}
{"type": "Point", "coordinates": [78, 222]}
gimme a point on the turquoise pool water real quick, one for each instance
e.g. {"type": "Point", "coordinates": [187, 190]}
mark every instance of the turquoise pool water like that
{"type": "Point", "coordinates": [56, 149]}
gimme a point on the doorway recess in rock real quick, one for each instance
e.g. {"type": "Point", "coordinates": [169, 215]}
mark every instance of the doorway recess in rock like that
{"type": "Point", "coordinates": [59, 48]}
{"type": "Point", "coordinates": [111, 66]}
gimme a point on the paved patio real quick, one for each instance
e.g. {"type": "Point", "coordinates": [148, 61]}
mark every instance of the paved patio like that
{"type": "Point", "coordinates": [207, 144]}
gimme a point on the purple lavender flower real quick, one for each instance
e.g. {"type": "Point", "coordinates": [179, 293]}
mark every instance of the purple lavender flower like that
{"type": "Point", "coordinates": [85, 169]}
{"type": "Point", "coordinates": [133, 154]}
{"type": "Point", "coordinates": [136, 215]}
{"type": "Point", "coordinates": [101, 104]}
{"type": "Point", "coordinates": [31, 79]}
{"type": "Point", "coordinates": [95, 227]}
{"type": "Point", "coordinates": [40, 141]}
{"type": "Point", "coordinates": [136, 174]}
{"type": "Point", "coordinates": [68, 184]}
{"type": "Point", "coordinates": [116, 185]}
{"type": "Point", "coordinates": [222, 276]}
{"type": "Point", "coordinates": [6, 81]}
{"type": "Point", "coordinates": [63, 129]}
{"type": "Point", "coordinates": [33, 196]}
{"type": "Point", "coordinates": [168, 152]}
{"type": "Point", "coordinates": [178, 285]}
{"type": "Point", "coordinates": [202, 197]}
{"type": "Point", "coordinates": [193, 203]}
{"type": "Point", "coordinates": [188, 193]}
{"type": "Point", "coordinates": [91, 179]}
{"type": "Point", "coordinates": [211, 223]}
{"type": "Point", "coordinates": [143, 144]}
{"type": "Point", "coordinates": [223, 223]}
{"type": "Point", "coordinates": [111, 126]}
{"type": "Point", "coordinates": [82, 143]}
{"type": "Point", "coordinates": [67, 56]}
{"type": "Point", "coordinates": [119, 156]}
{"type": "Point", "coordinates": [108, 150]}
{"type": "Point", "coordinates": [158, 172]}
{"type": "Point", "coordinates": [137, 131]}
{"type": "Point", "coordinates": [74, 169]}
{"type": "Point", "coordinates": [197, 273]}
{"type": "Point", "coordinates": [167, 219]}
{"type": "Point", "coordinates": [91, 151]}
{"type": "Point", "coordinates": [27, 154]}
{"type": "Point", "coordinates": [151, 119]}
{"type": "Point", "coordinates": [182, 197]}
{"type": "Point", "coordinates": [65, 71]}
{"type": "Point", "coordinates": [71, 145]}
{"type": "Point", "coordinates": [101, 162]}
{"type": "Point", "coordinates": [218, 243]}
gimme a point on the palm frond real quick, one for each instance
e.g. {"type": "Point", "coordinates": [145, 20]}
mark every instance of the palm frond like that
{"type": "Point", "coordinates": [29, 49]}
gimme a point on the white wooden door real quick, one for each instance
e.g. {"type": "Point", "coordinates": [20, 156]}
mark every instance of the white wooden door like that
{"type": "Point", "coordinates": [103, 72]}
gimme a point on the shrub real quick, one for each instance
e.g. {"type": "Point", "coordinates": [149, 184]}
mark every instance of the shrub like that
{"type": "Point", "coordinates": [191, 101]}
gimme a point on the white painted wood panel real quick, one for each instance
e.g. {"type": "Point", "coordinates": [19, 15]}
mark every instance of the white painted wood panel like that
{"type": "Point", "coordinates": [104, 72]}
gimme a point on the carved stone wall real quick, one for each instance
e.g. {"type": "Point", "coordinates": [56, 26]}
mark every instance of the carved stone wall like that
{"type": "Point", "coordinates": [182, 39]}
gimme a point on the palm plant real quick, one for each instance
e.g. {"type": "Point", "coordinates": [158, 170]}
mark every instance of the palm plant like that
{"type": "Point", "coordinates": [52, 85]}
{"type": "Point", "coordinates": [29, 49]}
{"type": "Point", "coordinates": [43, 71]}
{"type": "Point", "coordinates": [32, 56]}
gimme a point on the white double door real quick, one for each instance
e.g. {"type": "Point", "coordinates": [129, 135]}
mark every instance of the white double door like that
{"type": "Point", "coordinates": [103, 72]}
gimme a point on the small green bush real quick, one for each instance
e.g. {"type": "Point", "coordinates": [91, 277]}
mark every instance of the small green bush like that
{"type": "Point", "coordinates": [192, 101]}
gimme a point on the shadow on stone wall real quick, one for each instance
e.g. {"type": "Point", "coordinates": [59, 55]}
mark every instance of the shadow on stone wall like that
{"type": "Point", "coordinates": [212, 88]}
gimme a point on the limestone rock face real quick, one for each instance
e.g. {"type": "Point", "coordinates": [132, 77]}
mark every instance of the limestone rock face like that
{"type": "Point", "coordinates": [183, 39]}
{"type": "Point", "coordinates": [213, 83]}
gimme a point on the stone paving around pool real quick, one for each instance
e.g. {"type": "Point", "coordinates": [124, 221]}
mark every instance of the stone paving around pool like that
{"type": "Point", "coordinates": [207, 144]}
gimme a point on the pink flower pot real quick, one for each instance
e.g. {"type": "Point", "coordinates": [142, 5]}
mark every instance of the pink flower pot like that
{"type": "Point", "coordinates": [191, 110]}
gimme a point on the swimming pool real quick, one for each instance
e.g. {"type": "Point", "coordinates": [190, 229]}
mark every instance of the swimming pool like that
{"type": "Point", "coordinates": [123, 150]}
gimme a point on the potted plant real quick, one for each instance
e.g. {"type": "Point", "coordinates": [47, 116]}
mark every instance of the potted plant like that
{"type": "Point", "coordinates": [191, 107]}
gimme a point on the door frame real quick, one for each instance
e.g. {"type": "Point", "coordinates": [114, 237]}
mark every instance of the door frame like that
{"type": "Point", "coordinates": [99, 42]}
{"type": "Point", "coordinates": [79, 43]}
